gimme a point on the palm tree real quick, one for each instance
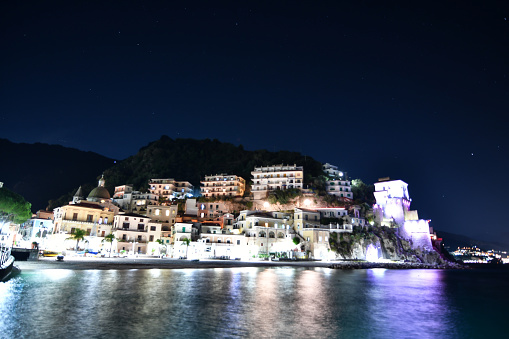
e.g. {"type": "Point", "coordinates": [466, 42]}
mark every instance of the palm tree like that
{"type": "Point", "coordinates": [78, 235]}
{"type": "Point", "coordinates": [109, 238]}
{"type": "Point", "coordinates": [186, 242]}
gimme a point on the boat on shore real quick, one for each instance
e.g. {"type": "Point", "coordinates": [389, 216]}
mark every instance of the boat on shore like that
{"type": "Point", "coordinates": [6, 261]}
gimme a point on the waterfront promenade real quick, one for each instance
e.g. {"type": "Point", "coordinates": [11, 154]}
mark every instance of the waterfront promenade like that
{"type": "Point", "coordinates": [91, 263]}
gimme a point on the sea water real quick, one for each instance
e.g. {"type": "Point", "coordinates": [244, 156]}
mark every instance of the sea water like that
{"type": "Point", "coordinates": [255, 303]}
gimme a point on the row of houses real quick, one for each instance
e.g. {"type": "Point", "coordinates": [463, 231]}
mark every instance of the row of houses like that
{"type": "Point", "coordinates": [149, 222]}
{"type": "Point", "coordinates": [265, 179]}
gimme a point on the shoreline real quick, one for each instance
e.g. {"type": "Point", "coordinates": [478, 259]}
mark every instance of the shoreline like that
{"type": "Point", "coordinates": [81, 263]}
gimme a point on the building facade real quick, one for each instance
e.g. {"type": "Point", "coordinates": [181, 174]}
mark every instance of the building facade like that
{"type": "Point", "coordinates": [222, 185]}
{"type": "Point", "coordinates": [134, 233]}
{"type": "Point", "coordinates": [170, 189]}
{"type": "Point", "coordinates": [337, 182]}
{"type": "Point", "coordinates": [271, 178]}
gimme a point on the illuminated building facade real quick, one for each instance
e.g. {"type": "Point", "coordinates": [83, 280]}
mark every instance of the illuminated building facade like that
{"type": "Point", "coordinates": [222, 185]}
{"type": "Point", "coordinates": [271, 178]}
{"type": "Point", "coordinates": [134, 233]}
{"type": "Point", "coordinates": [170, 189]}
{"type": "Point", "coordinates": [392, 209]}
{"type": "Point", "coordinates": [337, 182]}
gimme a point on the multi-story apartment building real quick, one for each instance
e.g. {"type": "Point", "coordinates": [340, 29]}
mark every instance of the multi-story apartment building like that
{"type": "Point", "coordinates": [332, 171]}
{"type": "Point", "coordinates": [94, 219]}
{"type": "Point", "coordinates": [170, 189]}
{"type": "Point", "coordinates": [339, 187]}
{"type": "Point", "coordinates": [165, 215]}
{"type": "Point", "coordinates": [91, 217]}
{"type": "Point", "coordinates": [123, 197]}
{"type": "Point", "coordinates": [134, 232]}
{"type": "Point", "coordinates": [270, 178]}
{"type": "Point", "coordinates": [222, 185]}
{"type": "Point", "coordinates": [337, 182]}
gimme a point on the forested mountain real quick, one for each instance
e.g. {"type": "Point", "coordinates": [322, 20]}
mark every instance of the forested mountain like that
{"type": "Point", "coordinates": [39, 172]}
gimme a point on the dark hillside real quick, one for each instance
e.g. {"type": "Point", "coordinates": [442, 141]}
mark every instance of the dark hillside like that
{"type": "Point", "coordinates": [39, 172]}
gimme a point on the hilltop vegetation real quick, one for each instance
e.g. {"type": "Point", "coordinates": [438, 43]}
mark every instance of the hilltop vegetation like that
{"type": "Point", "coordinates": [191, 160]}
{"type": "Point", "coordinates": [13, 207]}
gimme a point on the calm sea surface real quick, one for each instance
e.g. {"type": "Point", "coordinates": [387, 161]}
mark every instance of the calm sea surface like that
{"type": "Point", "coordinates": [255, 303]}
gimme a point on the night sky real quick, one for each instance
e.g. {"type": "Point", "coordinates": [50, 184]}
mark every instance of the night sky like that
{"type": "Point", "coordinates": [417, 91]}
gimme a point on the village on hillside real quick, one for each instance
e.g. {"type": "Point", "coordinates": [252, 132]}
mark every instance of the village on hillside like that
{"type": "Point", "coordinates": [275, 217]}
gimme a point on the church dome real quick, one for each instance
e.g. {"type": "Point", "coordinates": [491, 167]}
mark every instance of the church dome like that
{"type": "Point", "coordinates": [98, 193]}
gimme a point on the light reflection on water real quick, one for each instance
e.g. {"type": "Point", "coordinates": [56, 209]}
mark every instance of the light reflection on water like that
{"type": "Point", "coordinates": [235, 302]}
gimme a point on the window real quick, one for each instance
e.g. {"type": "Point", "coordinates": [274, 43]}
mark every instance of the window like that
{"type": "Point", "coordinates": [141, 227]}
{"type": "Point", "coordinates": [139, 238]}
{"type": "Point", "coordinates": [320, 238]}
{"type": "Point", "coordinates": [89, 217]}
{"type": "Point", "coordinates": [125, 225]}
{"type": "Point", "coordinates": [124, 237]}
{"type": "Point", "coordinates": [75, 216]}
{"type": "Point", "coordinates": [183, 229]}
{"type": "Point", "coordinates": [218, 240]}
{"type": "Point", "coordinates": [238, 242]}
{"type": "Point", "coordinates": [152, 228]}
{"type": "Point", "coordinates": [167, 213]}
{"type": "Point", "coordinates": [151, 238]}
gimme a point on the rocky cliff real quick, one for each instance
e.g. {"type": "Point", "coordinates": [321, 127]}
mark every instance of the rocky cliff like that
{"type": "Point", "coordinates": [374, 243]}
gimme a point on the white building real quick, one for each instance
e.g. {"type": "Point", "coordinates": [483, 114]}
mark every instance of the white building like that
{"type": "Point", "coordinates": [135, 232]}
{"type": "Point", "coordinates": [35, 230]}
{"type": "Point", "coordinates": [337, 182]}
{"type": "Point", "coordinates": [392, 209]}
{"type": "Point", "coordinates": [123, 197]}
{"type": "Point", "coordinates": [271, 178]}
{"type": "Point", "coordinates": [222, 185]}
{"type": "Point", "coordinates": [170, 188]}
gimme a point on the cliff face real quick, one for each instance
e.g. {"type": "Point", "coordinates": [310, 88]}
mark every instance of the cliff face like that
{"type": "Point", "coordinates": [380, 243]}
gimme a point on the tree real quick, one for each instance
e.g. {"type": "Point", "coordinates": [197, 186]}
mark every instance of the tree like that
{"type": "Point", "coordinates": [13, 207]}
{"type": "Point", "coordinates": [78, 235]}
{"type": "Point", "coordinates": [109, 238]}
{"type": "Point", "coordinates": [362, 192]}
{"type": "Point", "coordinates": [296, 240]}
{"type": "Point", "coordinates": [161, 244]}
{"type": "Point", "coordinates": [186, 242]}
